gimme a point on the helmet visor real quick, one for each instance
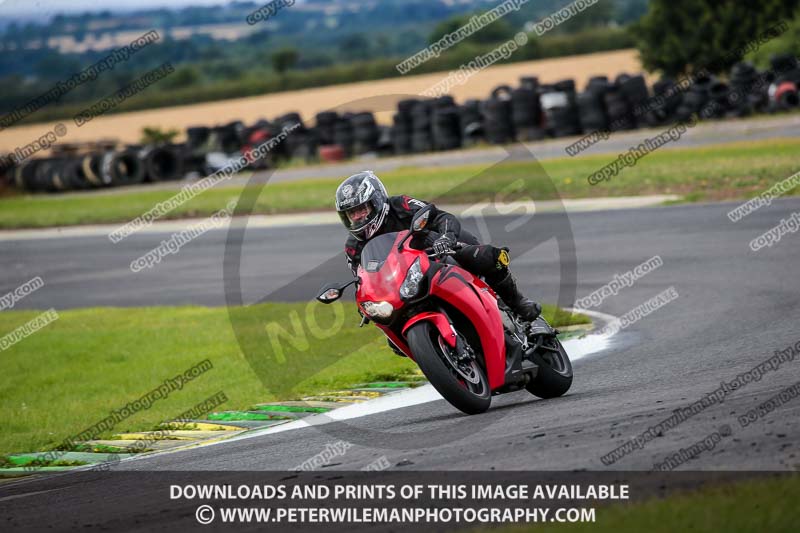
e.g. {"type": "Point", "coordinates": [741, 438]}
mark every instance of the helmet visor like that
{"type": "Point", "coordinates": [359, 215]}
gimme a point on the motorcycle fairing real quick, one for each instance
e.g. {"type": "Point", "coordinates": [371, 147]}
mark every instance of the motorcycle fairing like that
{"type": "Point", "coordinates": [471, 296]}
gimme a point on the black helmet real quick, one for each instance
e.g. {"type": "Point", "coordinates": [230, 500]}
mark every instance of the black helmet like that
{"type": "Point", "coordinates": [362, 204]}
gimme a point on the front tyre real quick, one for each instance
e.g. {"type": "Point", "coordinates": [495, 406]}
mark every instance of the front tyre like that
{"type": "Point", "coordinates": [554, 377]}
{"type": "Point", "coordinates": [465, 386]}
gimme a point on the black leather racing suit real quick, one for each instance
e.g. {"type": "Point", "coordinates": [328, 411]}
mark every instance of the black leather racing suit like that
{"type": "Point", "coordinates": [480, 260]}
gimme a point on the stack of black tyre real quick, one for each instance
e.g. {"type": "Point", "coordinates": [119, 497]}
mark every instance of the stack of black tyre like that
{"type": "Point", "coordinates": [385, 145]}
{"type": "Point", "coordinates": [229, 138]}
{"type": "Point", "coordinates": [696, 98]}
{"type": "Point", "coordinates": [421, 127]}
{"type": "Point", "coordinates": [633, 90]}
{"type": "Point", "coordinates": [163, 162]}
{"type": "Point", "coordinates": [402, 127]}
{"type": "Point", "coordinates": [471, 122]}
{"type": "Point", "coordinates": [301, 143]}
{"type": "Point", "coordinates": [445, 124]}
{"type": "Point", "coordinates": [343, 134]}
{"type": "Point", "coordinates": [7, 165]}
{"type": "Point", "coordinates": [748, 89]}
{"type": "Point", "coordinates": [198, 144]}
{"type": "Point", "coordinates": [719, 100]}
{"type": "Point", "coordinates": [618, 110]}
{"type": "Point", "coordinates": [560, 108]}
{"type": "Point", "coordinates": [667, 97]}
{"type": "Point", "coordinates": [592, 106]}
{"type": "Point", "coordinates": [325, 125]}
{"type": "Point", "coordinates": [55, 174]}
{"type": "Point", "coordinates": [498, 120]}
{"type": "Point", "coordinates": [526, 110]}
{"type": "Point", "coordinates": [365, 133]}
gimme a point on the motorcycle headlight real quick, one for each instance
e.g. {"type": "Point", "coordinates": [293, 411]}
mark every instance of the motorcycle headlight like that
{"type": "Point", "coordinates": [378, 309]}
{"type": "Point", "coordinates": [410, 286]}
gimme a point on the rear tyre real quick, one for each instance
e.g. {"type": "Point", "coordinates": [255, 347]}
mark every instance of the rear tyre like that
{"type": "Point", "coordinates": [554, 377]}
{"type": "Point", "coordinates": [470, 398]}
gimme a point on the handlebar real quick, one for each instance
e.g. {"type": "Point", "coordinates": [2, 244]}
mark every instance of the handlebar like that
{"type": "Point", "coordinates": [451, 252]}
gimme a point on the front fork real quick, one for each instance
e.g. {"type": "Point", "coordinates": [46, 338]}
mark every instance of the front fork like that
{"type": "Point", "coordinates": [456, 342]}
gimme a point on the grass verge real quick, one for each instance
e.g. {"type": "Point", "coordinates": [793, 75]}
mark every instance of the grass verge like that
{"type": "Point", "coordinates": [750, 506]}
{"type": "Point", "coordinates": [75, 371]}
{"type": "Point", "coordinates": [729, 171]}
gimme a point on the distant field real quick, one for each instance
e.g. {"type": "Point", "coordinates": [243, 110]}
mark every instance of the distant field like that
{"type": "Point", "coordinates": [727, 171]}
{"type": "Point", "coordinates": [127, 127]}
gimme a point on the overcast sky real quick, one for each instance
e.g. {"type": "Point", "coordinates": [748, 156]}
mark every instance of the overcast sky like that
{"type": "Point", "coordinates": [52, 7]}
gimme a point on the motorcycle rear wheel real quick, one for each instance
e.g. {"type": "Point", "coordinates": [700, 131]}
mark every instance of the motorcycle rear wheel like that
{"type": "Point", "coordinates": [471, 398]}
{"type": "Point", "coordinates": [554, 377]}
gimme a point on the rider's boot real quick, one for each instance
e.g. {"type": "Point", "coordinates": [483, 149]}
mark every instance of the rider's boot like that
{"type": "Point", "coordinates": [524, 307]}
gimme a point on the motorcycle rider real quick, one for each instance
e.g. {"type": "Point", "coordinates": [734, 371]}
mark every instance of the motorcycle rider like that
{"type": "Point", "coordinates": [367, 210]}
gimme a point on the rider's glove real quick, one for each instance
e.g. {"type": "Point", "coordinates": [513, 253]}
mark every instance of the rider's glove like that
{"type": "Point", "coordinates": [444, 244]}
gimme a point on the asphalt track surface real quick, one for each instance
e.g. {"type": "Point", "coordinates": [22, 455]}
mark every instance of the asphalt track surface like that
{"type": "Point", "coordinates": [735, 308]}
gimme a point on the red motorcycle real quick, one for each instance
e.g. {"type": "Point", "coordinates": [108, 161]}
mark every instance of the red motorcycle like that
{"type": "Point", "coordinates": [466, 341]}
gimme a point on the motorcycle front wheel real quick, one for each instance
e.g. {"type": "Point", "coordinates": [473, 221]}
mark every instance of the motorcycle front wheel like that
{"type": "Point", "coordinates": [464, 385]}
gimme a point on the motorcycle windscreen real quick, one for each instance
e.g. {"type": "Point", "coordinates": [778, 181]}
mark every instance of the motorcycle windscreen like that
{"type": "Point", "coordinates": [377, 250]}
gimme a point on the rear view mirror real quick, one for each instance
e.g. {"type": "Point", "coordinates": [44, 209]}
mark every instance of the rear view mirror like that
{"type": "Point", "coordinates": [333, 291]}
{"type": "Point", "coordinates": [329, 295]}
{"type": "Point", "coordinates": [420, 219]}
